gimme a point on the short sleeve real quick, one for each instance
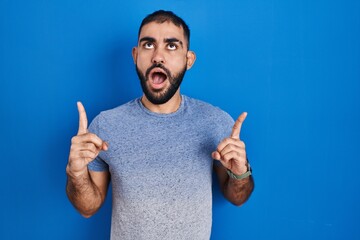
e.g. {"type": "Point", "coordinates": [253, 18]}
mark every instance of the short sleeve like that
{"type": "Point", "coordinates": [98, 165]}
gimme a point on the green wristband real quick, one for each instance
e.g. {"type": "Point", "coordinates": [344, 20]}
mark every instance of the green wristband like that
{"type": "Point", "coordinates": [242, 176]}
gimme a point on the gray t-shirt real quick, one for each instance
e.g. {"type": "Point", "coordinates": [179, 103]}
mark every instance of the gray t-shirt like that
{"type": "Point", "coordinates": [161, 168]}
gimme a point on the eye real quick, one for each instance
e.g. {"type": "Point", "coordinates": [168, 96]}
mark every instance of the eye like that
{"type": "Point", "coordinates": [172, 46]}
{"type": "Point", "coordinates": [149, 45]}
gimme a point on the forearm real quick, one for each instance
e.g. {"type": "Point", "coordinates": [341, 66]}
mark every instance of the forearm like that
{"type": "Point", "coordinates": [83, 193]}
{"type": "Point", "coordinates": [238, 191]}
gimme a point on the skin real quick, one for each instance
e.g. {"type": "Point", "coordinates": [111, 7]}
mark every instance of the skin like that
{"type": "Point", "coordinates": [158, 43]}
{"type": "Point", "coordinates": [232, 155]}
{"type": "Point", "coordinates": [174, 56]}
{"type": "Point", "coordinates": [85, 189]}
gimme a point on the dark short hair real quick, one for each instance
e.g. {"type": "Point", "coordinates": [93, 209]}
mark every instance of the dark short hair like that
{"type": "Point", "coordinates": [162, 16]}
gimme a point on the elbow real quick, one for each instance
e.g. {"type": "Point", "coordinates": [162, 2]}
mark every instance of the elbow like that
{"type": "Point", "coordinates": [84, 211]}
{"type": "Point", "coordinates": [237, 203]}
{"type": "Point", "coordinates": [87, 213]}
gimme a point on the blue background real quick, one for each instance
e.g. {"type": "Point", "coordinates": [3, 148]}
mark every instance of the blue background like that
{"type": "Point", "coordinates": [293, 65]}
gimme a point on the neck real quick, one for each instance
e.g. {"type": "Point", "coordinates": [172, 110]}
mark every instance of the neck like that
{"type": "Point", "coordinates": [169, 107]}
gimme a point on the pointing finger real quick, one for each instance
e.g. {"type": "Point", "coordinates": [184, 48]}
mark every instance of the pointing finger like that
{"type": "Point", "coordinates": [83, 122]}
{"type": "Point", "coordinates": [237, 126]}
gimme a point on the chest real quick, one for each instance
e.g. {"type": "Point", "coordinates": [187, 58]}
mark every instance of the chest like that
{"type": "Point", "coordinates": [173, 151]}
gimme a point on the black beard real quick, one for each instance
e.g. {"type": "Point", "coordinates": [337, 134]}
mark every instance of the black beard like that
{"type": "Point", "coordinates": [160, 97]}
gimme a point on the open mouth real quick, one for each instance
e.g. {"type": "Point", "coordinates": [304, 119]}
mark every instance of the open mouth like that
{"type": "Point", "coordinates": [158, 77]}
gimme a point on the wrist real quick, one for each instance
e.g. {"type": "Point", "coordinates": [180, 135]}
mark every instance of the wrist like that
{"type": "Point", "coordinates": [75, 174]}
{"type": "Point", "coordinates": [241, 170]}
{"type": "Point", "coordinates": [243, 175]}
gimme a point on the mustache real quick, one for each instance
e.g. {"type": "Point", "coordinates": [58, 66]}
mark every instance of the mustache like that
{"type": "Point", "coordinates": [157, 65]}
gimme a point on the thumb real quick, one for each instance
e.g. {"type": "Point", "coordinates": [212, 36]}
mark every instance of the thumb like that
{"type": "Point", "coordinates": [216, 155]}
{"type": "Point", "coordinates": [104, 146]}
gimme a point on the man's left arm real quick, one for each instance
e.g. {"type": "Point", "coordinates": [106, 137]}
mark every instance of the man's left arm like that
{"type": "Point", "coordinates": [234, 172]}
{"type": "Point", "coordinates": [236, 191]}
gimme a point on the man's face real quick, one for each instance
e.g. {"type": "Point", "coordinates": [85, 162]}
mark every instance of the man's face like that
{"type": "Point", "coordinates": [161, 60]}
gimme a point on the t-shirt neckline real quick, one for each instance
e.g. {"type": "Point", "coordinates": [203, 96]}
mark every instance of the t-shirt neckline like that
{"type": "Point", "coordinates": [162, 115]}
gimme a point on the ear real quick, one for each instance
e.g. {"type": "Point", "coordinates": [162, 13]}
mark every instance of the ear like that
{"type": "Point", "coordinates": [134, 54]}
{"type": "Point", "coordinates": [191, 57]}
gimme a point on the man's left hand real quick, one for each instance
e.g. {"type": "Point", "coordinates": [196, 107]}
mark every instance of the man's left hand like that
{"type": "Point", "coordinates": [231, 151]}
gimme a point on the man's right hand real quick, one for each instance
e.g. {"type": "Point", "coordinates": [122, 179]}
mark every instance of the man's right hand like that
{"type": "Point", "coordinates": [85, 146]}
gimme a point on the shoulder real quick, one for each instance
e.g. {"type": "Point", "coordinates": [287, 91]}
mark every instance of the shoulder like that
{"type": "Point", "coordinates": [207, 110]}
{"type": "Point", "coordinates": [119, 110]}
{"type": "Point", "coordinates": [115, 115]}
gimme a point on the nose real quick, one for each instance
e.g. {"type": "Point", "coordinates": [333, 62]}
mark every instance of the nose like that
{"type": "Point", "coordinates": [158, 57]}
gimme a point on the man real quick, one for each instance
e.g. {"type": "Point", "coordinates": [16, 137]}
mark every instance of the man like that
{"type": "Point", "coordinates": [158, 150]}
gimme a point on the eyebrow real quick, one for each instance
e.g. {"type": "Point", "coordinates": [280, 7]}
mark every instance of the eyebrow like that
{"type": "Point", "coordinates": [173, 40]}
{"type": "Point", "coordinates": [167, 40]}
{"type": "Point", "coordinates": [147, 39]}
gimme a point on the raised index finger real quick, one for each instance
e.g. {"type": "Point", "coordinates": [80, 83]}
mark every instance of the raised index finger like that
{"type": "Point", "coordinates": [83, 122]}
{"type": "Point", "coordinates": [237, 126]}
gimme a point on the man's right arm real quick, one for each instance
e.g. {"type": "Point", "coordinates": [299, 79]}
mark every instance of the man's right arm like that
{"type": "Point", "coordinates": [87, 192]}
{"type": "Point", "coordinates": [85, 189]}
